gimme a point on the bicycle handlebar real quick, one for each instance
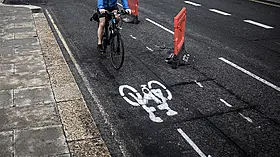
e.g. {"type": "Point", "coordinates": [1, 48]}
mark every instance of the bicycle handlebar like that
{"type": "Point", "coordinates": [122, 12]}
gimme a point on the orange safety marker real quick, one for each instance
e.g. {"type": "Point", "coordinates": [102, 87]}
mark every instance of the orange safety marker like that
{"type": "Point", "coordinates": [133, 18]}
{"type": "Point", "coordinates": [179, 38]}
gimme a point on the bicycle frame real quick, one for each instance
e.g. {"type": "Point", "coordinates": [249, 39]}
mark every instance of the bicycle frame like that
{"type": "Point", "coordinates": [110, 25]}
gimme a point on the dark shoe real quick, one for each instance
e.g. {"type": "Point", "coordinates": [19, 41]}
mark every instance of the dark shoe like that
{"type": "Point", "coordinates": [100, 48]}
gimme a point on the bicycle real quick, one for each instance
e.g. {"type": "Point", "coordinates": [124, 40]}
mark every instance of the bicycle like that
{"type": "Point", "coordinates": [113, 38]}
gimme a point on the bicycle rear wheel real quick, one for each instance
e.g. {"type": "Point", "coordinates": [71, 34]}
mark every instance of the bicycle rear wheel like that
{"type": "Point", "coordinates": [117, 51]}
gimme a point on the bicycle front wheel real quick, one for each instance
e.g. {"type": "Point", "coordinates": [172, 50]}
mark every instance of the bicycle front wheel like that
{"type": "Point", "coordinates": [117, 51]}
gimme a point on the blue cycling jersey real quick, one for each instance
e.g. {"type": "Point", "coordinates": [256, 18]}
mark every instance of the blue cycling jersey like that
{"type": "Point", "coordinates": [111, 3]}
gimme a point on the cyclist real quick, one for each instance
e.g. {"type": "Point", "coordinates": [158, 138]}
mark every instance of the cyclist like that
{"type": "Point", "coordinates": [103, 6]}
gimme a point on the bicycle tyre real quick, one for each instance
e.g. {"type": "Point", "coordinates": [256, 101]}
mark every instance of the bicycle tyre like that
{"type": "Point", "coordinates": [105, 38]}
{"type": "Point", "coordinates": [117, 51]}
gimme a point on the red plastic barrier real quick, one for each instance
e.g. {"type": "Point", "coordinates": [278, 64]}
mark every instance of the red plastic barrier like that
{"type": "Point", "coordinates": [179, 30]}
{"type": "Point", "coordinates": [133, 5]}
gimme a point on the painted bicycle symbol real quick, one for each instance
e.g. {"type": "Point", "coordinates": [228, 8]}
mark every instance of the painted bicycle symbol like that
{"type": "Point", "coordinates": [149, 93]}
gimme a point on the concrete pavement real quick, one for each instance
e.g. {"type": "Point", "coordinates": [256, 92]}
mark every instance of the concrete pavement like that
{"type": "Point", "coordinates": [42, 111]}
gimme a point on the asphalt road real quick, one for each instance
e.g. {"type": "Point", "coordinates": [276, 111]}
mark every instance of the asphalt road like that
{"type": "Point", "coordinates": [225, 103]}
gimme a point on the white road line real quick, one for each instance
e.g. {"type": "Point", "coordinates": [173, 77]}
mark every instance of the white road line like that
{"type": "Point", "coordinates": [86, 82]}
{"type": "Point", "coordinates": [265, 3]}
{"type": "Point", "coordinates": [251, 74]}
{"type": "Point", "coordinates": [153, 22]}
{"type": "Point", "coordinates": [133, 37]}
{"type": "Point", "coordinates": [247, 118]}
{"type": "Point", "coordinates": [186, 137]}
{"type": "Point", "coordinates": [258, 24]}
{"type": "Point", "coordinates": [149, 49]}
{"type": "Point", "coordinates": [220, 12]}
{"type": "Point", "coordinates": [226, 103]}
{"type": "Point", "coordinates": [198, 83]}
{"type": "Point", "coordinates": [192, 3]}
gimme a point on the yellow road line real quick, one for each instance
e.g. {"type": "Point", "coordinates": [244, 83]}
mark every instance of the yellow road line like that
{"type": "Point", "coordinates": [266, 3]}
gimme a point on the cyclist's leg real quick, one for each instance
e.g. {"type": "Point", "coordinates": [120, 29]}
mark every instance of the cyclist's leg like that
{"type": "Point", "coordinates": [100, 30]}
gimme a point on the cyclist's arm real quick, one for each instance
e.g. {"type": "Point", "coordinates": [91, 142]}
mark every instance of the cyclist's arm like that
{"type": "Point", "coordinates": [100, 4]}
{"type": "Point", "coordinates": [125, 4]}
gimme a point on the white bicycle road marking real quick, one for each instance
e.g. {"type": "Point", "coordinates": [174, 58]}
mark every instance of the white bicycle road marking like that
{"type": "Point", "coordinates": [149, 94]}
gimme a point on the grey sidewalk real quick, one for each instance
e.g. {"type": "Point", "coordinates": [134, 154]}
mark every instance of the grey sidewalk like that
{"type": "Point", "coordinates": [42, 111]}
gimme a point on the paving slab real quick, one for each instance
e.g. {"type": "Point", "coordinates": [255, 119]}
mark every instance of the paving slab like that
{"type": "Point", "coordinates": [33, 95]}
{"type": "Point", "coordinates": [24, 80]}
{"type": "Point", "coordinates": [28, 116]}
{"type": "Point", "coordinates": [25, 50]}
{"type": "Point", "coordinates": [7, 69]}
{"type": "Point", "coordinates": [6, 143]}
{"type": "Point", "coordinates": [30, 68]}
{"type": "Point", "coordinates": [47, 141]}
{"type": "Point", "coordinates": [6, 97]}
{"type": "Point", "coordinates": [24, 35]}
{"type": "Point", "coordinates": [15, 42]}
{"type": "Point", "coordinates": [21, 59]}
{"type": "Point", "coordinates": [6, 52]}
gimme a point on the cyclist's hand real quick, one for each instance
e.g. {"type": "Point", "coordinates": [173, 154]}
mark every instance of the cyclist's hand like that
{"type": "Point", "coordinates": [128, 11]}
{"type": "Point", "coordinates": [102, 11]}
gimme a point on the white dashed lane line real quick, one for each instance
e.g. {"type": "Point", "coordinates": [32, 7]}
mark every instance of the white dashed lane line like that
{"type": "Point", "coordinates": [166, 29]}
{"type": "Point", "coordinates": [198, 83]}
{"type": "Point", "coordinates": [226, 103]}
{"type": "Point", "coordinates": [149, 49]}
{"type": "Point", "coordinates": [133, 37]}
{"type": "Point", "coordinates": [219, 12]}
{"type": "Point", "coordinates": [247, 118]}
{"type": "Point", "coordinates": [250, 74]}
{"type": "Point", "coordinates": [258, 24]}
{"type": "Point", "coordinates": [192, 3]}
{"type": "Point", "coordinates": [195, 147]}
